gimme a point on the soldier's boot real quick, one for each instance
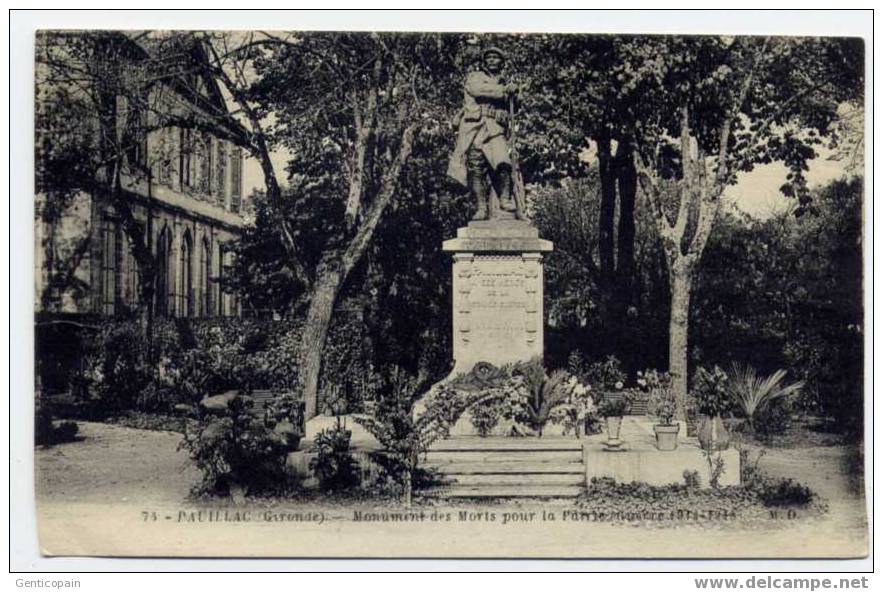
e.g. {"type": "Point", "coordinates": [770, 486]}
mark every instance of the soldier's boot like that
{"type": "Point", "coordinates": [503, 187]}
{"type": "Point", "coordinates": [481, 213]}
{"type": "Point", "coordinates": [476, 179]}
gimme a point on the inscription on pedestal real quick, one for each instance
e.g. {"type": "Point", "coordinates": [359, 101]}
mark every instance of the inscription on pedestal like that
{"type": "Point", "coordinates": [498, 293]}
{"type": "Point", "coordinates": [497, 313]}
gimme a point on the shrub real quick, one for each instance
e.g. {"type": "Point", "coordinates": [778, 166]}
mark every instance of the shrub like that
{"type": "Point", "coordinates": [710, 391]}
{"type": "Point", "coordinates": [484, 418]}
{"type": "Point", "coordinates": [120, 369]}
{"type": "Point", "coordinates": [66, 431]}
{"type": "Point", "coordinates": [404, 437]}
{"type": "Point", "coordinates": [602, 376]}
{"type": "Point", "coordinates": [662, 402]}
{"type": "Point", "coordinates": [754, 394]}
{"type": "Point", "coordinates": [349, 377]}
{"type": "Point", "coordinates": [544, 392]}
{"type": "Point", "coordinates": [235, 450]}
{"type": "Point", "coordinates": [774, 419]}
{"type": "Point", "coordinates": [46, 433]}
{"type": "Point", "coordinates": [334, 465]}
{"type": "Point", "coordinates": [772, 491]}
{"type": "Point", "coordinates": [116, 368]}
{"type": "Point", "coordinates": [578, 413]}
{"type": "Point", "coordinates": [783, 492]}
{"type": "Point", "coordinates": [150, 421]}
{"type": "Point", "coordinates": [681, 503]}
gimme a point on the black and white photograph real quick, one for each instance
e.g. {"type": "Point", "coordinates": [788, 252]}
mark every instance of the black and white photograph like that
{"type": "Point", "coordinates": [449, 294]}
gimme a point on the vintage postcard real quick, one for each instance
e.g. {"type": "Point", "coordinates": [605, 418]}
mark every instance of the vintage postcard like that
{"type": "Point", "coordinates": [449, 295]}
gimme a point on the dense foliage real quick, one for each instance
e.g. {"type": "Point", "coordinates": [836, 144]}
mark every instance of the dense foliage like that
{"type": "Point", "coordinates": [334, 465]}
{"type": "Point", "coordinates": [238, 453]}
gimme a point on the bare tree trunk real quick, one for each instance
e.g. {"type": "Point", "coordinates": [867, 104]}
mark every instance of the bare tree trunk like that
{"type": "Point", "coordinates": [334, 272]}
{"type": "Point", "coordinates": [324, 295]}
{"type": "Point", "coordinates": [681, 288]}
{"type": "Point", "coordinates": [607, 174]}
{"type": "Point", "coordinates": [409, 486]}
{"type": "Point", "coordinates": [625, 237]}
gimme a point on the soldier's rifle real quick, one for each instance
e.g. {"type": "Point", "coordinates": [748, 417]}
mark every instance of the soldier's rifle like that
{"type": "Point", "coordinates": [517, 179]}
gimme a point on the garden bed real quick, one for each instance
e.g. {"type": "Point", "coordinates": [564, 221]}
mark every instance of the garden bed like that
{"type": "Point", "coordinates": [157, 422]}
{"type": "Point", "coordinates": [682, 505]}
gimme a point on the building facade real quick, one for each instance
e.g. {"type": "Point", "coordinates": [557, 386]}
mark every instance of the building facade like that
{"type": "Point", "coordinates": [185, 187]}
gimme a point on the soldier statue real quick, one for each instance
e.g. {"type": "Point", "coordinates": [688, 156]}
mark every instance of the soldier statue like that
{"type": "Point", "coordinates": [482, 149]}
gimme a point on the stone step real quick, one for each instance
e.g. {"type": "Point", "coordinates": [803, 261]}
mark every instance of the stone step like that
{"type": "Point", "coordinates": [443, 457]}
{"type": "Point", "coordinates": [503, 491]}
{"type": "Point", "coordinates": [504, 444]}
{"type": "Point", "coordinates": [526, 467]}
{"type": "Point", "coordinates": [519, 479]}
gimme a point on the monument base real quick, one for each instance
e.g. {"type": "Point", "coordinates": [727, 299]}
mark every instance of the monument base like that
{"type": "Point", "coordinates": [497, 292]}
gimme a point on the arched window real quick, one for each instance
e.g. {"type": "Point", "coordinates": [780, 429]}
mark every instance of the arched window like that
{"type": "Point", "coordinates": [186, 275]}
{"type": "Point", "coordinates": [163, 273]}
{"type": "Point", "coordinates": [221, 175]}
{"type": "Point", "coordinates": [111, 266]}
{"type": "Point", "coordinates": [223, 297]}
{"type": "Point", "coordinates": [133, 276]}
{"type": "Point", "coordinates": [205, 272]}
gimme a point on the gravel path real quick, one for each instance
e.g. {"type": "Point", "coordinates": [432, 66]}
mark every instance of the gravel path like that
{"type": "Point", "coordinates": [115, 464]}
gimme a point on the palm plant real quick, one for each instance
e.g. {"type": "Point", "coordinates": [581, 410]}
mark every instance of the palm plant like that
{"type": "Point", "coordinates": [544, 393]}
{"type": "Point", "coordinates": [754, 393]}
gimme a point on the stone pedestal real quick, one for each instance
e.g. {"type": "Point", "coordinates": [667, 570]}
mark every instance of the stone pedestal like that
{"type": "Point", "coordinates": [498, 292]}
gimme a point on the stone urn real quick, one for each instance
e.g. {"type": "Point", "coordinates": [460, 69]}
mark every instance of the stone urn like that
{"type": "Point", "coordinates": [614, 424]}
{"type": "Point", "coordinates": [666, 436]}
{"type": "Point", "coordinates": [712, 433]}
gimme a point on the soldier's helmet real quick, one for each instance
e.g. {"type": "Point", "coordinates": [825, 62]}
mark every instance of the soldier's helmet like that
{"type": "Point", "coordinates": [493, 50]}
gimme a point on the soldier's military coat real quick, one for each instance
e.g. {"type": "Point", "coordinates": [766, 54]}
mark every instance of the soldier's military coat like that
{"type": "Point", "coordinates": [481, 122]}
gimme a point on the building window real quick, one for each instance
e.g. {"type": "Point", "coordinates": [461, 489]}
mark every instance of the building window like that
{"type": "Point", "coordinates": [118, 258]}
{"type": "Point", "coordinates": [133, 278]}
{"type": "Point", "coordinates": [205, 272]}
{"type": "Point", "coordinates": [111, 252]}
{"type": "Point", "coordinates": [134, 139]}
{"type": "Point", "coordinates": [202, 163]}
{"type": "Point", "coordinates": [163, 273]}
{"type": "Point", "coordinates": [221, 174]}
{"type": "Point", "coordinates": [185, 157]}
{"type": "Point", "coordinates": [235, 179]}
{"type": "Point", "coordinates": [166, 154]}
{"type": "Point", "coordinates": [186, 275]}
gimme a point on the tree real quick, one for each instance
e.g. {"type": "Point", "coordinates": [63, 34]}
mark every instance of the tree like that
{"type": "Point", "coordinates": [349, 108]}
{"type": "Point", "coordinates": [712, 107]}
{"type": "Point", "coordinates": [573, 106]}
{"type": "Point", "coordinates": [575, 297]}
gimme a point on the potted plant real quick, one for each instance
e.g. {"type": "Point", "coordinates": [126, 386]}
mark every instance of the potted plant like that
{"type": "Point", "coordinates": [577, 412]}
{"type": "Point", "coordinates": [712, 399]}
{"type": "Point", "coordinates": [662, 405]}
{"type": "Point", "coordinates": [612, 410]}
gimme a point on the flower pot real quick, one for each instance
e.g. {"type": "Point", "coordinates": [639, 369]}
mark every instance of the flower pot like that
{"type": "Point", "coordinates": [614, 424]}
{"type": "Point", "coordinates": [666, 436]}
{"type": "Point", "coordinates": [712, 434]}
{"type": "Point", "coordinates": [692, 426]}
